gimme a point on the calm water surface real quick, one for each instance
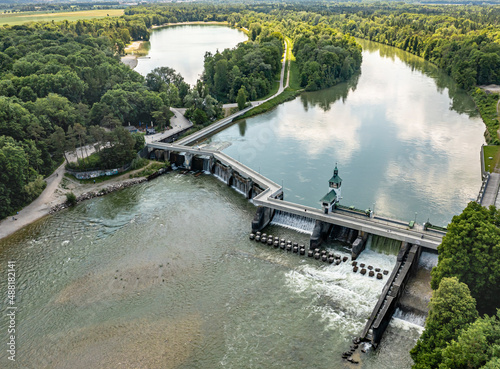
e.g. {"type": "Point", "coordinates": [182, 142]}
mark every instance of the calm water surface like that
{"type": "Point", "coordinates": [405, 137]}
{"type": "Point", "coordinates": [183, 48]}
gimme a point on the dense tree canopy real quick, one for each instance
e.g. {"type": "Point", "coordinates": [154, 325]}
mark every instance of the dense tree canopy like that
{"type": "Point", "coordinates": [254, 65]}
{"type": "Point", "coordinates": [451, 309]}
{"type": "Point", "coordinates": [477, 346]}
{"type": "Point", "coordinates": [54, 75]}
{"type": "Point", "coordinates": [470, 251]}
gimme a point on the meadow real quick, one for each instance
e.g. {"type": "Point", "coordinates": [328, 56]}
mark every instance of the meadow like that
{"type": "Point", "coordinates": [20, 18]}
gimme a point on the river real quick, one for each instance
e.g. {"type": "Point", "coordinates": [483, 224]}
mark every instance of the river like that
{"type": "Point", "coordinates": [405, 137]}
{"type": "Point", "coordinates": [163, 275]}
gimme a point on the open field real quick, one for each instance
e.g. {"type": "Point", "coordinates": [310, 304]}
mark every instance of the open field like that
{"type": "Point", "coordinates": [20, 18]}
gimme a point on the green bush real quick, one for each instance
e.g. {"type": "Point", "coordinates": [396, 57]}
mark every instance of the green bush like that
{"type": "Point", "coordinates": [138, 163]}
{"type": "Point", "coordinates": [71, 198]}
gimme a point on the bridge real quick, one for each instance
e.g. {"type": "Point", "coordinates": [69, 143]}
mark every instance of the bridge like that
{"type": "Point", "coordinates": [269, 197]}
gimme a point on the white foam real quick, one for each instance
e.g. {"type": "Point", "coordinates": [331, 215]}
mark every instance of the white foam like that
{"type": "Point", "coordinates": [296, 222]}
{"type": "Point", "coordinates": [407, 320]}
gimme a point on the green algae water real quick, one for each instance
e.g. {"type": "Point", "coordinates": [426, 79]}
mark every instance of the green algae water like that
{"type": "Point", "coordinates": [163, 275]}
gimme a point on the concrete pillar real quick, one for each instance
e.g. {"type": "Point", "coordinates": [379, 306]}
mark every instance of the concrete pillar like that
{"type": "Point", "coordinates": [262, 218]}
{"type": "Point", "coordinates": [320, 233]}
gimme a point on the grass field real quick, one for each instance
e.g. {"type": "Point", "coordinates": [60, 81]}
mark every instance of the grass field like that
{"type": "Point", "coordinates": [492, 165]}
{"type": "Point", "coordinates": [20, 18]}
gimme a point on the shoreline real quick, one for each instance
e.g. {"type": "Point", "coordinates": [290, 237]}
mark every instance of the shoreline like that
{"type": "Point", "coordinates": [129, 60]}
{"type": "Point", "coordinates": [188, 23]}
{"type": "Point", "coordinates": [53, 198]}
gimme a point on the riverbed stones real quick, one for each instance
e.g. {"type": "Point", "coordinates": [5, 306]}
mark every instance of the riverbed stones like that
{"type": "Point", "coordinates": [386, 272]}
{"type": "Point", "coordinates": [379, 275]}
{"type": "Point", "coordinates": [310, 253]}
{"type": "Point", "coordinates": [355, 269]}
{"type": "Point", "coordinates": [252, 236]}
{"type": "Point", "coordinates": [363, 271]}
{"type": "Point", "coordinates": [92, 194]}
{"type": "Point", "coordinates": [371, 273]}
{"type": "Point", "coordinates": [317, 255]}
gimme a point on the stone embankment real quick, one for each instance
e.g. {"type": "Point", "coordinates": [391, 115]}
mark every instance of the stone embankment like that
{"type": "Point", "coordinates": [104, 191]}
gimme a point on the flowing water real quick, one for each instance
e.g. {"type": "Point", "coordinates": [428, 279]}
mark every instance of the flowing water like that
{"type": "Point", "coordinates": [183, 48]}
{"type": "Point", "coordinates": [405, 137]}
{"type": "Point", "coordinates": [163, 275]}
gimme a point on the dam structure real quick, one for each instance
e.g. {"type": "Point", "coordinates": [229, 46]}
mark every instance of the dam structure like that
{"type": "Point", "coordinates": [352, 225]}
{"type": "Point", "coordinates": [268, 197]}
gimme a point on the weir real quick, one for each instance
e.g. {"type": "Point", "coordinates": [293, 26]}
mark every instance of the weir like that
{"type": "Point", "coordinates": [268, 195]}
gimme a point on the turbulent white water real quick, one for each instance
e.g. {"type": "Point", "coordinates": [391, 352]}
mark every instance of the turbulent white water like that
{"type": "Point", "coordinates": [410, 318]}
{"type": "Point", "coordinates": [292, 221]}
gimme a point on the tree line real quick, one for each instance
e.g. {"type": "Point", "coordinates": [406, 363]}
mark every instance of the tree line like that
{"type": "Point", "coordinates": [462, 330]}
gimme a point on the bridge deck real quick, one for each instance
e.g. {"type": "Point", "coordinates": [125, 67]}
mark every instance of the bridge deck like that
{"type": "Point", "coordinates": [491, 191]}
{"type": "Point", "coordinates": [380, 226]}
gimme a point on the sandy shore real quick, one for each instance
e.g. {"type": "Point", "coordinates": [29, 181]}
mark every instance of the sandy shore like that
{"type": "Point", "coordinates": [130, 60]}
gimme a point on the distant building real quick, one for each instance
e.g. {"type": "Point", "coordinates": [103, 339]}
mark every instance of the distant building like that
{"type": "Point", "coordinates": [330, 200]}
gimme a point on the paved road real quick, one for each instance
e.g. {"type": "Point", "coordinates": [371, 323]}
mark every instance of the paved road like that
{"type": "Point", "coordinates": [491, 190]}
{"type": "Point", "coordinates": [178, 123]}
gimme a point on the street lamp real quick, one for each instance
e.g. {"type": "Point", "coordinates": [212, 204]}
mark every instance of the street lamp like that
{"type": "Point", "coordinates": [415, 217]}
